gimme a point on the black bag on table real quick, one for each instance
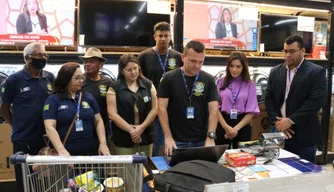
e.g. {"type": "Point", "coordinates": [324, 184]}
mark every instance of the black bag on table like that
{"type": "Point", "coordinates": [192, 176]}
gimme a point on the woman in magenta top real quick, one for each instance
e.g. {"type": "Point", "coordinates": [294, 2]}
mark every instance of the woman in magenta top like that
{"type": "Point", "coordinates": [238, 102]}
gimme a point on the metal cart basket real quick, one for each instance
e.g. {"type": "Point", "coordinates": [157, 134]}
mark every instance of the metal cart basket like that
{"type": "Point", "coordinates": [121, 173]}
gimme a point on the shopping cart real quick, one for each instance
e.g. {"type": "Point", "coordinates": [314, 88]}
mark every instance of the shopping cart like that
{"type": "Point", "coordinates": [122, 173]}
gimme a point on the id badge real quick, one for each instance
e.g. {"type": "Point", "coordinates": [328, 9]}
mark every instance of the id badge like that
{"type": "Point", "coordinates": [234, 114]}
{"type": "Point", "coordinates": [190, 113]}
{"type": "Point", "coordinates": [78, 125]}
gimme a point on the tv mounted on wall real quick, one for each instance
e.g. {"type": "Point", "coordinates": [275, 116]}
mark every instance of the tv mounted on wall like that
{"type": "Point", "coordinates": [46, 21]}
{"type": "Point", "coordinates": [117, 23]}
{"type": "Point", "coordinates": [276, 28]}
{"type": "Point", "coordinates": [206, 22]}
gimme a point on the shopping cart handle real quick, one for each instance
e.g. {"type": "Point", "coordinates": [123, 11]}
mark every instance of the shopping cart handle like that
{"type": "Point", "coordinates": [18, 157]}
{"type": "Point", "coordinates": [140, 158]}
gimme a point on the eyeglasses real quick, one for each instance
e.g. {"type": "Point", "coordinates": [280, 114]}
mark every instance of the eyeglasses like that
{"type": "Point", "coordinates": [40, 55]}
{"type": "Point", "coordinates": [129, 70]}
{"type": "Point", "coordinates": [161, 36]}
{"type": "Point", "coordinates": [78, 78]}
{"type": "Point", "coordinates": [291, 51]}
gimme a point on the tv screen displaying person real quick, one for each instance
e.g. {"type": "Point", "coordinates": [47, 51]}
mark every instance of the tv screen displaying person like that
{"type": "Point", "coordinates": [31, 20]}
{"type": "Point", "coordinates": [225, 27]}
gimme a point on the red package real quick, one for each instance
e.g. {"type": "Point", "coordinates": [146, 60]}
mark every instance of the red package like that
{"type": "Point", "coordinates": [239, 159]}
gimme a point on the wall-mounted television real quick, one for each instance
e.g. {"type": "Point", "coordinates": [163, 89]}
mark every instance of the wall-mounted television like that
{"type": "Point", "coordinates": [276, 28]}
{"type": "Point", "coordinates": [117, 23]}
{"type": "Point", "coordinates": [219, 26]}
{"type": "Point", "coordinates": [47, 21]}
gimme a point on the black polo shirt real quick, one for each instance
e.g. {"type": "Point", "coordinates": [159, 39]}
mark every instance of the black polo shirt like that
{"type": "Point", "coordinates": [150, 64]}
{"type": "Point", "coordinates": [99, 91]}
{"type": "Point", "coordinates": [126, 101]}
{"type": "Point", "coordinates": [27, 94]}
{"type": "Point", "coordinates": [172, 87]}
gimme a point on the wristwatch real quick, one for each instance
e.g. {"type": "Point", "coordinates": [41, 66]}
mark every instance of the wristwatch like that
{"type": "Point", "coordinates": [212, 135]}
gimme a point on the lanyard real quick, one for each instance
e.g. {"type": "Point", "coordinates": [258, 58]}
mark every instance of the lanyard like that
{"type": "Point", "coordinates": [186, 86]}
{"type": "Point", "coordinates": [235, 97]}
{"type": "Point", "coordinates": [163, 65]}
{"type": "Point", "coordinates": [78, 108]}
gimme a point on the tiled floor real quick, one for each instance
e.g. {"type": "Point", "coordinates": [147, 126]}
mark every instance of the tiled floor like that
{"type": "Point", "coordinates": [329, 167]}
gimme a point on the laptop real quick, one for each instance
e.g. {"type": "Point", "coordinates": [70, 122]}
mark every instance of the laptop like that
{"type": "Point", "coordinates": [210, 153]}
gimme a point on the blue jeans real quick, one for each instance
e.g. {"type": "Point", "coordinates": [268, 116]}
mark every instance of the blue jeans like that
{"type": "Point", "coordinates": [159, 138]}
{"type": "Point", "coordinates": [181, 144]}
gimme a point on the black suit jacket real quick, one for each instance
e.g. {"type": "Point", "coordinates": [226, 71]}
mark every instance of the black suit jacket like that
{"type": "Point", "coordinates": [24, 26]}
{"type": "Point", "coordinates": [221, 30]}
{"type": "Point", "coordinates": [306, 96]}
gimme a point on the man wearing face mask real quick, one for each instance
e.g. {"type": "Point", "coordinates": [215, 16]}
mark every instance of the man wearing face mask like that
{"type": "Point", "coordinates": [27, 91]}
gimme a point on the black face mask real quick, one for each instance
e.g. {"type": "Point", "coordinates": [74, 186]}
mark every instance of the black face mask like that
{"type": "Point", "coordinates": [38, 63]}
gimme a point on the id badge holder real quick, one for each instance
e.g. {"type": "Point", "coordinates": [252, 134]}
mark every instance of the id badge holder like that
{"type": "Point", "coordinates": [190, 113]}
{"type": "Point", "coordinates": [234, 114]}
{"type": "Point", "coordinates": [78, 125]}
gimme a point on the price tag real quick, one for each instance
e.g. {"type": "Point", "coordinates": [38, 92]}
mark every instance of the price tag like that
{"type": "Point", "coordinates": [214, 188]}
{"type": "Point", "coordinates": [241, 188]}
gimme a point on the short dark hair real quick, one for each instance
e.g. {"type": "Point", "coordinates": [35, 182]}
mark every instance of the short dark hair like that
{"type": "Point", "coordinates": [295, 38]}
{"type": "Point", "coordinates": [161, 26]}
{"type": "Point", "coordinates": [64, 77]}
{"type": "Point", "coordinates": [123, 62]}
{"type": "Point", "coordinates": [244, 73]}
{"type": "Point", "coordinates": [197, 46]}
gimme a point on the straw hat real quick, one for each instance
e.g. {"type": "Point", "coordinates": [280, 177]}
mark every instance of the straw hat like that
{"type": "Point", "coordinates": [93, 52]}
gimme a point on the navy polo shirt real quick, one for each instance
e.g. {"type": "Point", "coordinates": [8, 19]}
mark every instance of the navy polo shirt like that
{"type": "Point", "coordinates": [27, 94]}
{"type": "Point", "coordinates": [64, 110]}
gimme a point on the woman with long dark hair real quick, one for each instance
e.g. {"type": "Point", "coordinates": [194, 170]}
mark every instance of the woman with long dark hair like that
{"type": "Point", "coordinates": [31, 20]}
{"type": "Point", "coordinates": [225, 27]}
{"type": "Point", "coordinates": [238, 102]}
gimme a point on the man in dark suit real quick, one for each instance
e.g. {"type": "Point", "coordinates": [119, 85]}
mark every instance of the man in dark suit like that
{"type": "Point", "coordinates": [296, 91]}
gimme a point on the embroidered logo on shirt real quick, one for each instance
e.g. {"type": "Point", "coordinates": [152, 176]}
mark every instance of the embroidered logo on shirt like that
{"type": "Point", "coordinates": [172, 63]}
{"type": "Point", "coordinates": [146, 99]}
{"type": "Point", "coordinates": [46, 107]}
{"type": "Point", "coordinates": [49, 86]}
{"type": "Point", "coordinates": [61, 107]}
{"type": "Point", "coordinates": [199, 89]}
{"type": "Point", "coordinates": [103, 90]}
{"type": "Point", "coordinates": [85, 105]}
{"type": "Point", "coordinates": [25, 89]}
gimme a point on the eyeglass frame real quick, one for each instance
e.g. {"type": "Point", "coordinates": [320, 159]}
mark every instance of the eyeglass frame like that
{"type": "Point", "coordinates": [39, 55]}
{"type": "Point", "coordinates": [77, 78]}
{"type": "Point", "coordinates": [291, 51]}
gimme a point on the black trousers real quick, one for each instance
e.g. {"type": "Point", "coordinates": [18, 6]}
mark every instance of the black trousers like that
{"type": "Point", "coordinates": [27, 149]}
{"type": "Point", "coordinates": [244, 134]}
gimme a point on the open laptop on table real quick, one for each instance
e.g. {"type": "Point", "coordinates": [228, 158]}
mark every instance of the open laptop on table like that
{"type": "Point", "coordinates": [211, 153]}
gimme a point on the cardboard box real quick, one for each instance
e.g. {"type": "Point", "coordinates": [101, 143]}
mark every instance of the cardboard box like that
{"type": "Point", "coordinates": [240, 159]}
{"type": "Point", "coordinates": [7, 172]}
{"type": "Point", "coordinates": [331, 135]}
{"type": "Point", "coordinates": [260, 124]}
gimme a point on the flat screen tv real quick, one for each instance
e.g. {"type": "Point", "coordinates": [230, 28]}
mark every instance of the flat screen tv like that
{"type": "Point", "coordinates": [117, 23]}
{"type": "Point", "coordinates": [47, 21]}
{"type": "Point", "coordinates": [219, 26]}
{"type": "Point", "coordinates": [276, 28]}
